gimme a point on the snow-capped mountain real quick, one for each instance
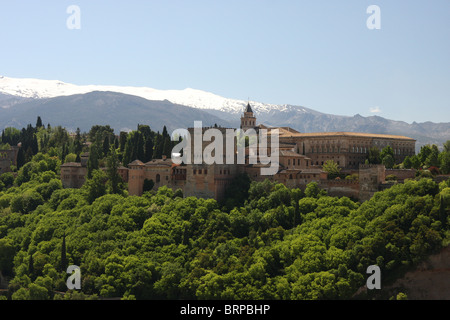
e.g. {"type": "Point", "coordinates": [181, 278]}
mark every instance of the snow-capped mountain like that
{"type": "Point", "coordinates": [38, 89]}
{"type": "Point", "coordinates": [69, 105]}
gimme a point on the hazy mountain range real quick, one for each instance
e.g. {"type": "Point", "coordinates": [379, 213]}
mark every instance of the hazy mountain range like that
{"type": "Point", "coordinates": [72, 106]}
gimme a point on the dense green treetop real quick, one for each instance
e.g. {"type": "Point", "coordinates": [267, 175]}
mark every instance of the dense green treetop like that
{"type": "Point", "coordinates": [264, 241]}
{"type": "Point", "coordinates": [277, 243]}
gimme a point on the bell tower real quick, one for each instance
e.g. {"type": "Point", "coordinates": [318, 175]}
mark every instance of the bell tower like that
{"type": "Point", "coordinates": [248, 120]}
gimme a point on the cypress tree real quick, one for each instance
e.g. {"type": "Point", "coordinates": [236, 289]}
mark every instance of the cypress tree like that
{"type": "Point", "coordinates": [114, 179]}
{"type": "Point", "coordinates": [30, 264]}
{"type": "Point", "coordinates": [38, 122]}
{"type": "Point", "coordinates": [78, 147]}
{"type": "Point", "coordinates": [92, 163]}
{"type": "Point", "coordinates": [28, 154]}
{"type": "Point", "coordinates": [159, 145]}
{"type": "Point", "coordinates": [126, 158]}
{"type": "Point", "coordinates": [64, 152]}
{"type": "Point", "coordinates": [63, 254]}
{"type": "Point", "coordinates": [140, 152]}
{"type": "Point", "coordinates": [105, 146]}
{"type": "Point", "coordinates": [148, 149]}
{"type": "Point", "coordinates": [164, 132]}
{"type": "Point", "coordinates": [167, 148]}
{"type": "Point", "coordinates": [123, 140]}
{"type": "Point", "coordinates": [20, 158]}
{"type": "Point", "coordinates": [34, 144]}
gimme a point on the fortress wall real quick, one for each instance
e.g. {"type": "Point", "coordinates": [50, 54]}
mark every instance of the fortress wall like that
{"type": "Point", "coordinates": [402, 174]}
{"type": "Point", "coordinates": [341, 188]}
{"type": "Point", "coordinates": [8, 158]}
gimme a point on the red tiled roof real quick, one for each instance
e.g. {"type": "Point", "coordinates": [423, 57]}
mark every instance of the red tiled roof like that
{"type": "Point", "coordinates": [136, 163]}
{"type": "Point", "coordinates": [71, 164]}
{"type": "Point", "coordinates": [345, 134]}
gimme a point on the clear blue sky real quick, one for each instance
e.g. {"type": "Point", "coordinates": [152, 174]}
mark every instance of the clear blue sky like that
{"type": "Point", "coordinates": [318, 53]}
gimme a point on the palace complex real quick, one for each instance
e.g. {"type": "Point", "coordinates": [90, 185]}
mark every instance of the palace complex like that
{"type": "Point", "coordinates": [300, 160]}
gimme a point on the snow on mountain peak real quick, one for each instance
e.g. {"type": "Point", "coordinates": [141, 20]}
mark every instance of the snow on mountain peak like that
{"type": "Point", "coordinates": [38, 89]}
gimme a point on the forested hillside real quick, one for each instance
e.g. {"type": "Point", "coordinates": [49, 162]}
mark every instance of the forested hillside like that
{"type": "Point", "coordinates": [271, 242]}
{"type": "Point", "coordinates": [265, 241]}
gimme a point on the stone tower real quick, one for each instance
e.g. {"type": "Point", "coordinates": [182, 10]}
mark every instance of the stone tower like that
{"type": "Point", "coordinates": [371, 176]}
{"type": "Point", "coordinates": [248, 120]}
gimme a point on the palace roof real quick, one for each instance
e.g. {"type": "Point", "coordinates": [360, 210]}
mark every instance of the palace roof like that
{"type": "Point", "coordinates": [285, 133]}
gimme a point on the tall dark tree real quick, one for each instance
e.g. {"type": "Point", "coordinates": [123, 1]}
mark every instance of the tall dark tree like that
{"type": "Point", "coordinates": [28, 154]}
{"type": "Point", "coordinates": [39, 122]}
{"type": "Point", "coordinates": [140, 152]}
{"type": "Point", "coordinates": [159, 145]}
{"type": "Point", "coordinates": [106, 145]}
{"type": "Point", "coordinates": [167, 147]}
{"type": "Point", "coordinates": [128, 150]}
{"type": "Point", "coordinates": [148, 149]}
{"type": "Point", "coordinates": [165, 134]}
{"type": "Point", "coordinates": [20, 158]}
{"type": "Point", "coordinates": [63, 254]}
{"type": "Point", "coordinates": [114, 179]}
{"type": "Point", "coordinates": [78, 145]}
{"type": "Point", "coordinates": [64, 151]}
{"type": "Point", "coordinates": [122, 140]}
{"type": "Point", "coordinates": [30, 264]}
{"type": "Point", "coordinates": [34, 144]}
{"type": "Point", "coordinates": [92, 163]}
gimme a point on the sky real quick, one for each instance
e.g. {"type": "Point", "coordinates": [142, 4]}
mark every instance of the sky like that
{"type": "Point", "coordinates": [318, 54]}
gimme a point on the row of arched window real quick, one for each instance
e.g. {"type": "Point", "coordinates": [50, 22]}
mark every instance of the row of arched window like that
{"type": "Point", "coordinates": [200, 171]}
{"type": "Point", "coordinates": [325, 149]}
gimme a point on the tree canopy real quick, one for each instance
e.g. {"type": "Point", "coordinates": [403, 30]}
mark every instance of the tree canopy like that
{"type": "Point", "coordinates": [276, 243]}
{"type": "Point", "coordinates": [264, 241]}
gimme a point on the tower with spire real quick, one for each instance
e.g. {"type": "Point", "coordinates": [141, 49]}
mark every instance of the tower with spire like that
{"type": "Point", "coordinates": [248, 120]}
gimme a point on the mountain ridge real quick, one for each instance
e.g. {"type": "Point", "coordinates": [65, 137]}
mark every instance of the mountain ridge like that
{"type": "Point", "coordinates": [30, 94]}
{"type": "Point", "coordinates": [122, 112]}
